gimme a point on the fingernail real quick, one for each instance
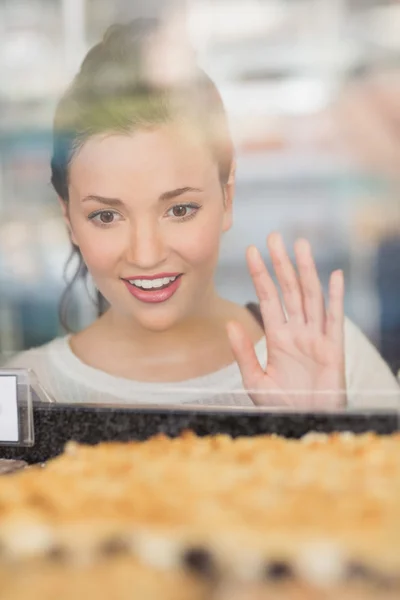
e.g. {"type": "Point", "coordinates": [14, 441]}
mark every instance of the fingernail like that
{"type": "Point", "coordinates": [254, 253]}
{"type": "Point", "coordinates": [233, 331]}
{"type": "Point", "coordinates": [275, 238]}
{"type": "Point", "coordinates": [303, 245]}
{"type": "Point", "coordinates": [337, 280]}
{"type": "Point", "coordinates": [338, 274]}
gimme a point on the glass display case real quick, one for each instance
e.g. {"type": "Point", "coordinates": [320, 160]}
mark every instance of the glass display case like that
{"type": "Point", "coordinates": [252, 480]}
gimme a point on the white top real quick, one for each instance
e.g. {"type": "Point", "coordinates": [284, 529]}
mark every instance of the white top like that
{"type": "Point", "coordinates": [370, 383]}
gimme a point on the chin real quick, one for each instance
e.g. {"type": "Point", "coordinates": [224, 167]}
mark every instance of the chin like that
{"type": "Point", "coordinates": [158, 318]}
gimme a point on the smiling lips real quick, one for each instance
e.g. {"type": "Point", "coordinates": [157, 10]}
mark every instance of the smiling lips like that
{"type": "Point", "coordinates": [156, 288]}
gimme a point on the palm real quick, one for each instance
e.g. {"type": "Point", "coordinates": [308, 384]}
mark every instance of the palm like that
{"type": "Point", "coordinates": [305, 367]}
{"type": "Point", "coordinates": [303, 363]}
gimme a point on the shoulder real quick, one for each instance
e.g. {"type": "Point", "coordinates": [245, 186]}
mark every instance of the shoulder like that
{"type": "Point", "coordinates": [44, 364]}
{"type": "Point", "coordinates": [37, 358]}
{"type": "Point", "coordinates": [356, 342]}
{"type": "Point", "coordinates": [370, 382]}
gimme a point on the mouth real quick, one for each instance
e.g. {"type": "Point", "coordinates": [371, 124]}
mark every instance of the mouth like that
{"type": "Point", "coordinates": [154, 284]}
{"type": "Point", "coordinates": [154, 289]}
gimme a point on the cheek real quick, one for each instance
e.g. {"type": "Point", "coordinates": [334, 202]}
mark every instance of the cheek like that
{"type": "Point", "coordinates": [100, 250]}
{"type": "Point", "coordinates": [199, 245]}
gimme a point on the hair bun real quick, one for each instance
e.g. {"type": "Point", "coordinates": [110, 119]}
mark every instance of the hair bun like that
{"type": "Point", "coordinates": [111, 32]}
{"type": "Point", "coordinates": [138, 28]}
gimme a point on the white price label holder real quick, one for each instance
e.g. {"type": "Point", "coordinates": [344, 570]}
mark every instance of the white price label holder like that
{"type": "Point", "coordinates": [16, 410]}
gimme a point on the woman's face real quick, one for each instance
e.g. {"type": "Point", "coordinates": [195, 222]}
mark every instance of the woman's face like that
{"type": "Point", "coordinates": [147, 211]}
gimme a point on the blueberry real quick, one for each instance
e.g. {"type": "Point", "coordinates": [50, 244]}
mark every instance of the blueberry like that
{"type": "Point", "coordinates": [199, 561]}
{"type": "Point", "coordinates": [114, 546]}
{"type": "Point", "coordinates": [57, 553]}
{"type": "Point", "coordinates": [278, 570]}
{"type": "Point", "coordinates": [359, 571]}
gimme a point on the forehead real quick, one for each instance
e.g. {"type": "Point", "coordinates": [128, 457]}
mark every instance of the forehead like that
{"type": "Point", "coordinates": [163, 158]}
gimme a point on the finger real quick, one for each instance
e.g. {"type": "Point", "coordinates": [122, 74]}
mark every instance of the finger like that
{"type": "Point", "coordinates": [267, 294]}
{"type": "Point", "coordinates": [313, 297]}
{"type": "Point", "coordinates": [287, 279]}
{"type": "Point", "coordinates": [245, 354]}
{"type": "Point", "coordinates": [335, 315]}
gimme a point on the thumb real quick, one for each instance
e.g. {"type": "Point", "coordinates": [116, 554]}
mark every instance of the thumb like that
{"type": "Point", "coordinates": [244, 353]}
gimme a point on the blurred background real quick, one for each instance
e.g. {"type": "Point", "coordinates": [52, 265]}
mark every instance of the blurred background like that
{"type": "Point", "coordinates": [312, 88]}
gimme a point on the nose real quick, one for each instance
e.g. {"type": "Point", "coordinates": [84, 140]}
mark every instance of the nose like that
{"type": "Point", "coordinates": [147, 248]}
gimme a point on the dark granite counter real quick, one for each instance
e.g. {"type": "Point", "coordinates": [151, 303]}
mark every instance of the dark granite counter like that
{"type": "Point", "coordinates": [55, 424]}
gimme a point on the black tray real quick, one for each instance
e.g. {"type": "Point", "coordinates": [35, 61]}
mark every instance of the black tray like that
{"type": "Point", "coordinates": [55, 424]}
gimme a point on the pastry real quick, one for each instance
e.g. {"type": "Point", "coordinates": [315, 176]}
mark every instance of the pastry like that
{"type": "Point", "coordinates": [213, 517]}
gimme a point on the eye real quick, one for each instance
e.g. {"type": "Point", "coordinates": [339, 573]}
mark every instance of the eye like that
{"type": "Point", "coordinates": [183, 211]}
{"type": "Point", "coordinates": [104, 217]}
{"type": "Point", "coordinates": [179, 211]}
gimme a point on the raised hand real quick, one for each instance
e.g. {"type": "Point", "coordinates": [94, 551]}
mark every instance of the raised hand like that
{"type": "Point", "coordinates": [305, 342]}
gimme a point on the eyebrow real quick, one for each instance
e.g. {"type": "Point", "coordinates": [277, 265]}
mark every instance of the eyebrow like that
{"type": "Point", "coordinates": [103, 200]}
{"type": "Point", "coordinates": [164, 196]}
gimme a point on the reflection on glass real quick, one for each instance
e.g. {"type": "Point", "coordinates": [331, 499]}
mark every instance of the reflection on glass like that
{"type": "Point", "coordinates": [164, 302]}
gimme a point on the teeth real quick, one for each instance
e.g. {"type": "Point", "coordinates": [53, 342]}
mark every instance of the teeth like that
{"type": "Point", "coordinates": [149, 284]}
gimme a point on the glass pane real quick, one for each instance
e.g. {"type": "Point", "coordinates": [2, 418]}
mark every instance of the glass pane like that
{"type": "Point", "coordinates": [310, 91]}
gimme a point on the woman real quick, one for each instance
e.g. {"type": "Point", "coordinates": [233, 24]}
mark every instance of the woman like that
{"type": "Point", "coordinates": [145, 177]}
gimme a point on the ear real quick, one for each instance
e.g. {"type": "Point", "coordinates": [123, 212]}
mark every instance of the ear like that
{"type": "Point", "coordinates": [229, 192]}
{"type": "Point", "coordinates": [67, 220]}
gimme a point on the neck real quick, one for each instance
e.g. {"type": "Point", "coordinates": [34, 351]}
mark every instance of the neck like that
{"type": "Point", "coordinates": [207, 321]}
